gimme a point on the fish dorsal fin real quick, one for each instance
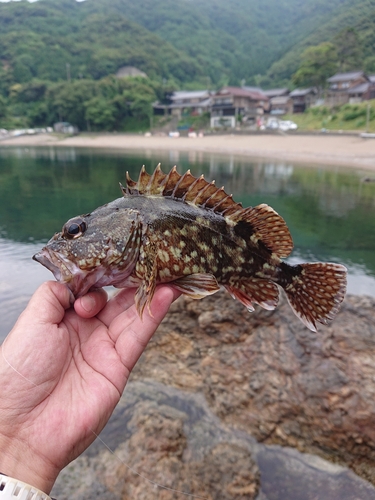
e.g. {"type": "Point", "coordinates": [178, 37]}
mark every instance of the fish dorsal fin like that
{"type": "Point", "coordinates": [264, 223]}
{"type": "Point", "coordinates": [268, 226]}
{"type": "Point", "coordinates": [185, 188]}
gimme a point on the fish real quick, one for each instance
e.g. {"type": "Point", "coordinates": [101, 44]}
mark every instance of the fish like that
{"type": "Point", "coordinates": [183, 230]}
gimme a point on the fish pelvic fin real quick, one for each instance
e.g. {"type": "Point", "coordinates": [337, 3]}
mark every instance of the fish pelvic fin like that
{"type": "Point", "coordinates": [316, 292]}
{"type": "Point", "coordinates": [255, 291]}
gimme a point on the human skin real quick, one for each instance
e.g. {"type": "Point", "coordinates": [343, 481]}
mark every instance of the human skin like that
{"type": "Point", "coordinates": [62, 372]}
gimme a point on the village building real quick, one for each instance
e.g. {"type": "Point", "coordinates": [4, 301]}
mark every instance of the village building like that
{"type": "Point", "coordinates": [363, 91]}
{"type": "Point", "coordinates": [182, 103]}
{"type": "Point", "coordinates": [234, 105]}
{"type": "Point", "coordinates": [281, 92]}
{"type": "Point", "coordinates": [281, 105]}
{"type": "Point", "coordinates": [341, 84]}
{"type": "Point", "coordinates": [303, 99]}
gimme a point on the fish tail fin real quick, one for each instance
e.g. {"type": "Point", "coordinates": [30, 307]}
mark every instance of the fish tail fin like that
{"type": "Point", "coordinates": [316, 291]}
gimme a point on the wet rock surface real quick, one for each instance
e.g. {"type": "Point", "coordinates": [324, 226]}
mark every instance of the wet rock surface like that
{"type": "Point", "coordinates": [215, 377]}
{"type": "Point", "coordinates": [159, 435]}
{"type": "Point", "coordinates": [266, 374]}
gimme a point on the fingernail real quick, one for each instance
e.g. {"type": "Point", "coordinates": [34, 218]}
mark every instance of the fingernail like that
{"type": "Point", "coordinates": [88, 303]}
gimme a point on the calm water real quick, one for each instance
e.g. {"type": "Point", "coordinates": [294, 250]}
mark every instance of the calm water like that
{"type": "Point", "coordinates": [330, 211]}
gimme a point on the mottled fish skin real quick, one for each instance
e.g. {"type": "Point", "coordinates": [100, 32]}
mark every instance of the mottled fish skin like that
{"type": "Point", "coordinates": [183, 230]}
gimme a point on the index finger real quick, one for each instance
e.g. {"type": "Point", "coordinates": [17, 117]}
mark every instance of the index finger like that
{"type": "Point", "coordinates": [131, 334]}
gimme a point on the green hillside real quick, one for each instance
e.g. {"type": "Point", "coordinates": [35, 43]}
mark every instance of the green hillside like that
{"type": "Point", "coordinates": [58, 57]}
{"type": "Point", "coordinates": [38, 40]}
{"type": "Point", "coordinates": [189, 42]}
{"type": "Point", "coordinates": [357, 14]}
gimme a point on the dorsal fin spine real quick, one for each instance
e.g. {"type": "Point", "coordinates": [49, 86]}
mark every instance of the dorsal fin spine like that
{"type": "Point", "coordinates": [192, 186]}
{"type": "Point", "coordinates": [183, 188]}
{"type": "Point", "coordinates": [201, 192]}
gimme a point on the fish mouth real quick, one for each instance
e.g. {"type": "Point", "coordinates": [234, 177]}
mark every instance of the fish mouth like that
{"type": "Point", "coordinates": [51, 262]}
{"type": "Point", "coordinates": [65, 271]}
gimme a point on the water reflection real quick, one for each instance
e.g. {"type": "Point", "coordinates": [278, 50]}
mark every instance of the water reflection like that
{"type": "Point", "coordinates": [330, 211]}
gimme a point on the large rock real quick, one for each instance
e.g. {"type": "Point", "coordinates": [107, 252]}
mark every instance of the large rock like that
{"type": "Point", "coordinates": [266, 374]}
{"type": "Point", "coordinates": [163, 443]}
{"type": "Point", "coordinates": [213, 378]}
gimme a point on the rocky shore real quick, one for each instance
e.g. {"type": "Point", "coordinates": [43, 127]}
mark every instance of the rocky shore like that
{"type": "Point", "coordinates": [223, 402]}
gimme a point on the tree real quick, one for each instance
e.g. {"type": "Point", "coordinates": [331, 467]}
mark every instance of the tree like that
{"type": "Point", "coordinates": [349, 49]}
{"type": "Point", "coordinates": [319, 62]}
{"type": "Point", "coordinates": [100, 113]}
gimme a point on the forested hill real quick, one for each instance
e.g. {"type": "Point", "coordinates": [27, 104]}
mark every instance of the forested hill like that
{"type": "Point", "coordinates": [185, 42]}
{"type": "Point", "coordinates": [356, 14]}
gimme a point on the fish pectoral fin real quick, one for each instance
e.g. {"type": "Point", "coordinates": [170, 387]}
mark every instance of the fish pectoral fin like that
{"type": "Point", "coordinates": [197, 285]}
{"type": "Point", "coordinates": [146, 290]}
{"type": "Point", "coordinates": [255, 291]}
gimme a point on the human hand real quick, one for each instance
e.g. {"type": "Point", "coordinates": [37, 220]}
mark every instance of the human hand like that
{"type": "Point", "coordinates": [62, 373]}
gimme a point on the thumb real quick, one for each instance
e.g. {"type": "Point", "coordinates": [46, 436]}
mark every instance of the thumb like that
{"type": "Point", "coordinates": [48, 303]}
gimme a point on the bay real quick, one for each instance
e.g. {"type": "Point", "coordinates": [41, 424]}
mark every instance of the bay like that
{"type": "Point", "coordinates": [330, 211]}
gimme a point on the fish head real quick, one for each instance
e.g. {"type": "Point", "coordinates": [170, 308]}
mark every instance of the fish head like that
{"type": "Point", "coordinates": [94, 250]}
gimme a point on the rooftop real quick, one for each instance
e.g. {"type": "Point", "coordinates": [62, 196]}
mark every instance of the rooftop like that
{"type": "Point", "coordinates": [241, 92]}
{"type": "Point", "coordinates": [345, 77]}
{"type": "Point", "coordinates": [276, 92]}
{"type": "Point", "coordinates": [359, 89]}
{"type": "Point", "coordinates": [194, 94]}
{"type": "Point", "coordinates": [302, 92]}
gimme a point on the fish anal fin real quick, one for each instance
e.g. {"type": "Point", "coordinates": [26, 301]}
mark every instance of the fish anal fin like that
{"type": "Point", "coordinates": [316, 292]}
{"type": "Point", "coordinates": [268, 226]}
{"type": "Point", "coordinates": [251, 291]}
{"type": "Point", "coordinates": [197, 285]}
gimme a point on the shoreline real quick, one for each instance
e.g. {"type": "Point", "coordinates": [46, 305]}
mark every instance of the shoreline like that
{"type": "Point", "coordinates": [344, 150]}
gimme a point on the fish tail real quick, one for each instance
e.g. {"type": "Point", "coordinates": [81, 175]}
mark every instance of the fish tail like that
{"type": "Point", "coordinates": [315, 292]}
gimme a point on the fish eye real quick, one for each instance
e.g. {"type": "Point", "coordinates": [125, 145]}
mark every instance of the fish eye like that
{"type": "Point", "coordinates": [74, 228]}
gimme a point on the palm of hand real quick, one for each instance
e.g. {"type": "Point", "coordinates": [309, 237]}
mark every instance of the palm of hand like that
{"type": "Point", "coordinates": [72, 369]}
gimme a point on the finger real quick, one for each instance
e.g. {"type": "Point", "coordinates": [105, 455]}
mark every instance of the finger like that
{"type": "Point", "coordinates": [91, 304]}
{"type": "Point", "coordinates": [134, 333]}
{"type": "Point", "coordinates": [48, 303]}
{"type": "Point", "coordinates": [119, 303]}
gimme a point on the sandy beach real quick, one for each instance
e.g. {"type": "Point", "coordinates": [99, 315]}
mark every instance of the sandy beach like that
{"type": "Point", "coordinates": [329, 149]}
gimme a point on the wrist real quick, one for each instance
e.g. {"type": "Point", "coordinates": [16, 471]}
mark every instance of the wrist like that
{"type": "Point", "coordinates": [24, 464]}
{"type": "Point", "coordinates": [11, 488]}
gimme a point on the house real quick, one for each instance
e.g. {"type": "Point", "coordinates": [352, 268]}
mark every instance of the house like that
{"type": "Point", "coordinates": [281, 105]}
{"type": "Point", "coordinates": [303, 99]}
{"type": "Point", "coordinates": [341, 83]}
{"type": "Point", "coordinates": [230, 105]}
{"type": "Point", "coordinates": [362, 91]}
{"type": "Point", "coordinates": [282, 92]}
{"type": "Point", "coordinates": [185, 102]}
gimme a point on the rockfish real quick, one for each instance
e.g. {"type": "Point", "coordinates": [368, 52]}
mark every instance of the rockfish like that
{"type": "Point", "coordinates": [183, 230]}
